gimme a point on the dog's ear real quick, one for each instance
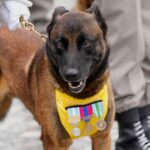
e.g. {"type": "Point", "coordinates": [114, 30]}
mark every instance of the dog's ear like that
{"type": "Point", "coordinates": [100, 19]}
{"type": "Point", "coordinates": [58, 12]}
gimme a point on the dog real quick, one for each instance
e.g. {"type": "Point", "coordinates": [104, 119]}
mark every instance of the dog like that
{"type": "Point", "coordinates": [72, 63]}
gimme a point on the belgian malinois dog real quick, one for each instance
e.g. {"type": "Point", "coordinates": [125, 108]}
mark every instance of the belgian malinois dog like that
{"type": "Point", "coordinates": [73, 61]}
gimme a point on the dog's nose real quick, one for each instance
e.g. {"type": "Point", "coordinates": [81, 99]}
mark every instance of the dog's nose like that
{"type": "Point", "coordinates": [71, 73]}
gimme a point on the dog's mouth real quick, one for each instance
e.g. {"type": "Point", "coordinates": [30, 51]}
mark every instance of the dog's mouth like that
{"type": "Point", "coordinates": [77, 87]}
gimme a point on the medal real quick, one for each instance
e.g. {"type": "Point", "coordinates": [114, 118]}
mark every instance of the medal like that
{"type": "Point", "coordinates": [101, 125]}
{"type": "Point", "coordinates": [86, 113]}
{"type": "Point", "coordinates": [74, 116]}
{"type": "Point", "coordinates": [76, 131]}
{"type": "Point", "coordinates": [74, 119]}
{"type": "Point", "coordinates": [98, 110]}
{"type": "Point", "coordinates": [87, 128]}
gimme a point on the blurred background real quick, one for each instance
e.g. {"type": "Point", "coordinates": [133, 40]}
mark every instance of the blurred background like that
{"type": "Point", "coordinates": [19, 130]}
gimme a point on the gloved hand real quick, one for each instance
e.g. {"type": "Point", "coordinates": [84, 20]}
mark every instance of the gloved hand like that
{"type": "Point", "coordinates": [11, 11]}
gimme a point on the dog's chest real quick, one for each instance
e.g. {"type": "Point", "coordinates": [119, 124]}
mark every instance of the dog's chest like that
{"type": "Point", "coordinates": [82, 117]}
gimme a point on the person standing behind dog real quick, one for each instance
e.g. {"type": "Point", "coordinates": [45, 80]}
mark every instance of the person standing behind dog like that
{"type": "Point", "coordinates": [129, 34]}
{"type": "Point", "coordinates": [40, 14]}
{"type": "Point", "coordinates": [11, 10]}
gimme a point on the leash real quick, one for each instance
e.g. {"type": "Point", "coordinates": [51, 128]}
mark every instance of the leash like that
{"type": "Point", "coordinates": [30, 27]}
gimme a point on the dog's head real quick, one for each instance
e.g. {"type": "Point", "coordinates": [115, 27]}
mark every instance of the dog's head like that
{"type": "Point", "coordinates": [77, 46]}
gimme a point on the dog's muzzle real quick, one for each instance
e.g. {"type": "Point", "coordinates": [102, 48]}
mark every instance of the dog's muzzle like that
{"type": "Point", "coordinates": [77, 87]}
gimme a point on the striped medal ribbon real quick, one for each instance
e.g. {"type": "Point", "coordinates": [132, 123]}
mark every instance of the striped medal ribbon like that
{"type": "Point", "coordinates": [74, 115]}
{"type": "Point", "coordinates": [74, 119]}
{"type": "Point", "coordinates": [86, 114]}
{"type": "Point", "coordinates": [98, 111]}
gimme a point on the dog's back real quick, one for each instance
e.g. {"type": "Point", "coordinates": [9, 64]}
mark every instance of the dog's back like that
{"type": "Point", "coordinates": [17, 49]}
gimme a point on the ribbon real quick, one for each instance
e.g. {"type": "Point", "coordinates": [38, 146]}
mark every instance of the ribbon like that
{"type": "Point", "coordinates": [86, 112]}
{"type": "Point", "coordinates": [98, 109]}
{"type": "Point", "coordinates": [76, 114]}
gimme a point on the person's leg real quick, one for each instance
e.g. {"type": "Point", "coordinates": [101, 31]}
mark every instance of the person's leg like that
{"type": "Point", "coordinates": [145, 109]}
{"type": "Point", "coordinates": [39, 14]}
{"type": "Point", "coordinates": [125, 33]}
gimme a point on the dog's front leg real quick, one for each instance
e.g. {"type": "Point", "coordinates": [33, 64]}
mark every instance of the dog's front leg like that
{"type": "Point", "coordinates": [55, 143]}
{"type": "Point", "coordinates": [100, 142]}
{"type": "Point", "coordinates": [51, 146]}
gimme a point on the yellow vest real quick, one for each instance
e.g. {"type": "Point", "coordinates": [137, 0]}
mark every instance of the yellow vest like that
{"type": "Point", "coordinates": [64, 101]}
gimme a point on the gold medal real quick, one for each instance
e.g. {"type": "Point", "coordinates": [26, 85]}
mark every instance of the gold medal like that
{"type": "Point", "coordinates": [101, 125]}
{"type": "Point", "coordinates": [87, 128]}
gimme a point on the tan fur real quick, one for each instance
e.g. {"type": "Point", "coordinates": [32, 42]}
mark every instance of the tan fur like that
{"type": "Point", "coordinates": [83, 4]}
{"type": "Point", "coordinates": [4, 89]}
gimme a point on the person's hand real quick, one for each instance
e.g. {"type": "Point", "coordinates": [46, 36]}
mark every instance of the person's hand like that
{"type": "Point", "coordinates": [11, 11]}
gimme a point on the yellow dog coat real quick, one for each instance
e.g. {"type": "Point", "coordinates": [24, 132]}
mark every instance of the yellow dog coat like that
{"type": "Point", "coordinates": [82, 128]}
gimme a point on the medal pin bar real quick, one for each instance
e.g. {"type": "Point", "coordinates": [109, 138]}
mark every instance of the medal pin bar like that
{"type": "Point", "coordinates": [74, 120]}
{"type": "Point", "coordinates": [98, 110]}
{"type": "Point", "coordinates": [86, 114]}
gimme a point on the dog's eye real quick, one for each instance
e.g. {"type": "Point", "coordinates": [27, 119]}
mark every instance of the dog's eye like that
{"type": "Point", "coordinates": [59, 45]}
{"type": "Point", "coordinates": [59, 48]}
{"type": "Point", "coordinates": [87, 43]}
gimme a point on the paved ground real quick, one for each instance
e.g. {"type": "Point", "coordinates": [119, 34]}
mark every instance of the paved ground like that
{"type": "Point", "coordinates": [19, 131]}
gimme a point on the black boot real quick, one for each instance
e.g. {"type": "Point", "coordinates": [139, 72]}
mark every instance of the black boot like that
{"type": "Point", "coordinates": [131, 133]}
{"type": "Point", "coordinates": [145, 119]}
